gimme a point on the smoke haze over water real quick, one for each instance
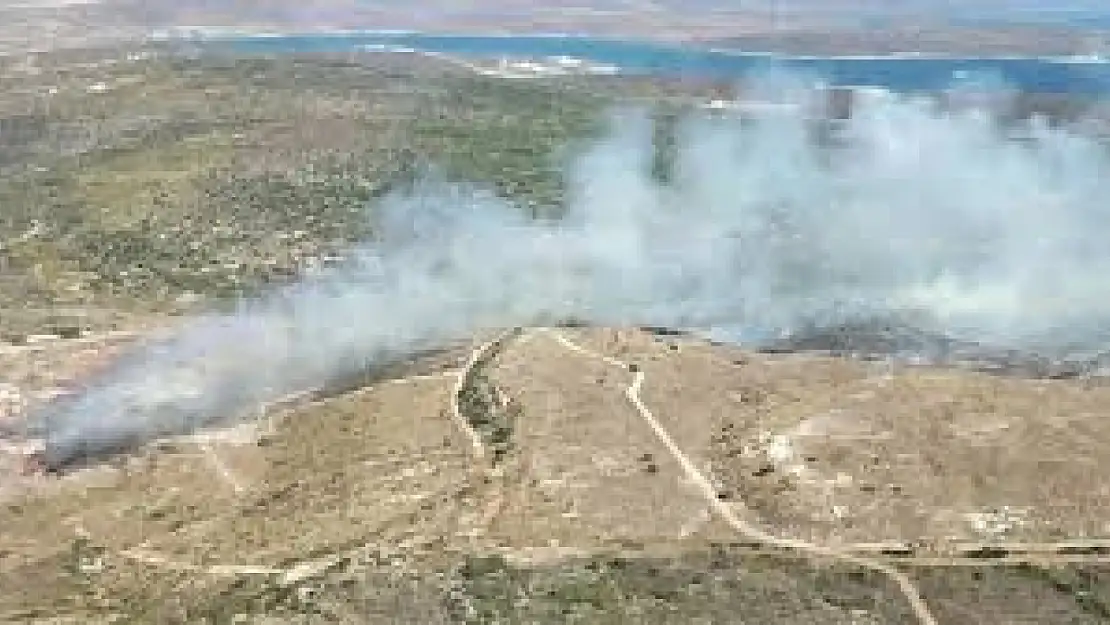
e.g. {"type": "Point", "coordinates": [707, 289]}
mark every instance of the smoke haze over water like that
{"type": "Point", "coordinates": [917, 212]}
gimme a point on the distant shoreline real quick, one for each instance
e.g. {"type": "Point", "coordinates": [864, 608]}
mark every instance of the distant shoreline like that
{"type": "Point", "coordinates": [221, 35]}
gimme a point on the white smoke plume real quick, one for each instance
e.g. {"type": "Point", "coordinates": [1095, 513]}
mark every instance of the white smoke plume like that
{"type": "Point", "coordinates": [913, 210]}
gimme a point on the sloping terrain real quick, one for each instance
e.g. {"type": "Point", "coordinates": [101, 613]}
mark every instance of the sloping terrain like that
{"type": "Point", "coordinates": [377, 502]}
{"type": "Point", "coordinates": [286, 497]}
{"type": "Point", "coordinates": [846, 460]}
{"type": "Point", "coordinates": [871, 451]}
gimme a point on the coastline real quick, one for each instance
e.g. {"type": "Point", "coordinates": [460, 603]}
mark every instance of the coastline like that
{"type": "Point", "coordinates": [232, 36]}
{"type": "Point", "coordinates": [535, 55]}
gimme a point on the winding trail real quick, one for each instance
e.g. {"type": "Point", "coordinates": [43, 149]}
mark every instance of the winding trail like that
{"type": "Point", "coordinates": [301, 571]}
{"type": "Point", "coordinates": [727, 512]}
{"type": "Point", "coordinates": [141, 556]}
{"type": "Point", "coordinates": [270, 416]}
{"type": "Point", "coordinates": [222, 470]}
{"type": "Point", "coordinates": [464, 377]}
{"type": "Point", "coordinates": [308, 569]}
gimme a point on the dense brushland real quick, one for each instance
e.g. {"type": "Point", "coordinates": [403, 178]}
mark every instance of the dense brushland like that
{"type": "Point", "coordinates": [153, 181]}
{"type": "Point", "coordinates": [148, 181]}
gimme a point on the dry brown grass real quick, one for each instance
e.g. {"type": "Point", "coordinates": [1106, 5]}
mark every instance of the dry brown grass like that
{"type": "Point", "coordinates": [372, 466]}
{"type": "Point", "coordinates": [846, 451]}
{"type": "Point", "coordinates": [800, 446]}
{"type": "Point", "coordinates": [584, 454]}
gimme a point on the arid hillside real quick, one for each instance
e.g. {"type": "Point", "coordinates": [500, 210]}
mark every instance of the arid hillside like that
{"type": "Point", "coordinates": [613, 475]}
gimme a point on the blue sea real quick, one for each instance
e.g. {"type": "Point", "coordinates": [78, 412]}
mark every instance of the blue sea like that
{"type": "Point", "coordinates": [897, 73]}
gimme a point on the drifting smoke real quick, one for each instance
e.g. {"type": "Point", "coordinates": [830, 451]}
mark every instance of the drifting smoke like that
{"type": "Point", "coordinates": [913, 211]}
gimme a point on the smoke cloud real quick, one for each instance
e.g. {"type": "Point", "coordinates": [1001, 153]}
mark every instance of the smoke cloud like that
{"type": "Point", "coordinates": [906, 210]}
